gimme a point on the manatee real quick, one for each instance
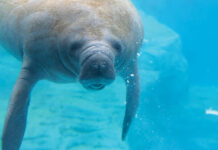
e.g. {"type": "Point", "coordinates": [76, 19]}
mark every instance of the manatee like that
{"type": "Point", "coordinates": [67, 41]}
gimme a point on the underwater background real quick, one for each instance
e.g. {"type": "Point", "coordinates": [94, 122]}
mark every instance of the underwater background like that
{"type": "Point", "coordinates": [179, 90]}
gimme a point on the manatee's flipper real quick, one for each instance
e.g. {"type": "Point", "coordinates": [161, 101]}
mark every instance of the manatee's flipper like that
{"type": "Point", "coordinates": [15, 121]}
{"type": "Point", "coordinates": [132, 96]}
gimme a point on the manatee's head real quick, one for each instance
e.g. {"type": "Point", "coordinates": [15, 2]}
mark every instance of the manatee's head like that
{"type": "Point", "coordinates": [92, 59]}
{"type": "Point", "coordinates": [97, 65]}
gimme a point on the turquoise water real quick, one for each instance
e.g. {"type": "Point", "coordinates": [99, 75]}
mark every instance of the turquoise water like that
{"type": "Point", "coordinates": [179, 103]}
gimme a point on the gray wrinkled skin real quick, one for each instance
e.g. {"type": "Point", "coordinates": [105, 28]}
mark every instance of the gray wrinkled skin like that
{"type": "Point", "coordinates": [65, 41]}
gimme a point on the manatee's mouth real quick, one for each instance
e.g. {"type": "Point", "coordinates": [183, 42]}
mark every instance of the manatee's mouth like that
{"type": "Point", "coordinates": [96, 86]}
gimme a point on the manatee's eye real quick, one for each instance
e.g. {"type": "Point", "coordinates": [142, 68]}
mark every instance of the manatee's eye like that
{"type": "Point", "coordinates": [117, 46]}
{"type": "Point", "coordinates": [76, 45]}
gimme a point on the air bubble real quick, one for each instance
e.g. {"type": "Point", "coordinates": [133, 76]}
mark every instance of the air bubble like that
{"type": "Point", "coordinates": [136, 115]}
{"type": "Point", "coordinates": [138, 54]}
{"type": "Point", "coordinates": [132, 75]}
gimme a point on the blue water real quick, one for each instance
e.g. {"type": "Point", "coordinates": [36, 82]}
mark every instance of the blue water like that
{"type": "Point", "coordinates": [179, 103]}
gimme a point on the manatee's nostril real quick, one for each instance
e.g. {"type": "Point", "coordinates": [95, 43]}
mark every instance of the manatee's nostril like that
{"type": "Point", "coordinates": [99, 66]}
{"type": "Point", "coordinates": [97, 72]}
{"type": "Point", "coordinates": [95, 65]}
{"type": "Point", "coordinates": [103, 64]}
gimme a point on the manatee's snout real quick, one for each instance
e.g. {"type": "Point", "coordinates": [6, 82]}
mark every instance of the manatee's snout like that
{"type": "Point", "coordinates": [97, 68]}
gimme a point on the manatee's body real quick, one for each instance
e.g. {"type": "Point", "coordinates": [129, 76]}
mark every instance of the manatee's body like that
{"type": "Point", "coordinates": [68, 40]}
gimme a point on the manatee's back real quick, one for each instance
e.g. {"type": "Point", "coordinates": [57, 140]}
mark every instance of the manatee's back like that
{"type": "Point", "coordinates": [7, 20]}
{"type": "Point", "coordinates": [12, 24]}
{"type": "Point", "coordinates": [13, 29]}
{"type": "Point", "coordinates": [5, 8]}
